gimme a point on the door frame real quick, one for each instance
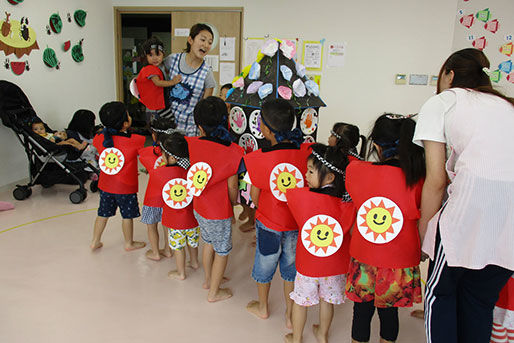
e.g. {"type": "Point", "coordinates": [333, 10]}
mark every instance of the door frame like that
{"type": "Point", "coordinates": [119, 10]}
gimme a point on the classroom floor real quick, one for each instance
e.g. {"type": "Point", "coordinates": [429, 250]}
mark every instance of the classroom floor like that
{"type": "Point", "coordinates": [54, 289]}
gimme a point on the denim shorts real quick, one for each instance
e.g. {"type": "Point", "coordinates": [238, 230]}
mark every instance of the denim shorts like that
{"type": "Point", "coordinates": [274, 247]}
{"type": "Point", "coordinates": [217, 232]}
{"type": "Point", "coordinates": [129, 207]}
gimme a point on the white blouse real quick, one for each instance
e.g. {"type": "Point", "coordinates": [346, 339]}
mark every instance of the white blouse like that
{"type": "Point", "coordinates": [477, 224]}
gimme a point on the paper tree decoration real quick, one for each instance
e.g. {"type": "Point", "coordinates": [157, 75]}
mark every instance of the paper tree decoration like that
{"type": "Point", "coordinates": [17, 37]}
{"type": "Point", "coordinates": [279, 77]}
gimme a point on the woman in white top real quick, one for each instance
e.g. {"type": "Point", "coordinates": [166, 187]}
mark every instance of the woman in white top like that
{"type": "Point", "coordinates": [470, 241]}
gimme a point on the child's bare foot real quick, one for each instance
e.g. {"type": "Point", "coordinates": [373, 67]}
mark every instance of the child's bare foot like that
{"type": "Point", "coordinates": [135, 245]}
{"type": "Point", "coordinates": [174, 274]}
{"type": "Point", "coordinates": [318, 335]}
{"type": "Point", "coordinates": [193, 265]}
{"type": "Point", "coordinates": [96, 245]}
{"type": "Point", "coordinates": [418, 314]}
{"type": "Point", "coordinates": [246, 227]}
{"type": "Point", "coordinates": [288, 338]}
{"type": "Point", "coordinates": [221, 294]}
{"type": "Point", "coordinates": [254, 308]}
{"type": "Point", "coordinates": [166, 252]}
{"type": "Point", "coordinates": [207, 284]}
{"type": "Point", "coordinates": [152, 256]}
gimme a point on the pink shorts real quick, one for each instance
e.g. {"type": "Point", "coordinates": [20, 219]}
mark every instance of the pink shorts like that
{"type": "Point", "coordinates": [308, 290]}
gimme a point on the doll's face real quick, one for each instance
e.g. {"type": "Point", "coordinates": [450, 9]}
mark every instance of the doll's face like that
{"type": "Point", "coordinates": [39, 128]}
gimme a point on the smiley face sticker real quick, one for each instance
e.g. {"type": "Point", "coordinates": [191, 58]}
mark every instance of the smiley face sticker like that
{"type": "Point", "coordinates": [111, 161]}
{"type": "Point", "coordinates": [176, 194]}
{"type": "Point", "coordinates": [379, 220]}
{"type": "Point", "coordinates": [198, 176]}
{"type": "Point", "coordinates": [283, 177]}
{"type": "Point", "coordinates": [159, 162]}
{"type": "Point", "coordinates": [322, 235]}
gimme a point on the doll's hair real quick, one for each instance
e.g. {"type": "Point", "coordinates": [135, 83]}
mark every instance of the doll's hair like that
{"type": "Point", "coordinates": [195, 30]}
{"type": "Point", "coordinates": [325, 160]}
{"type": "Point", "coordinates": [211, 114]}
{"type": "Point", "coordinates": [150, 44]}
{"type": "Point", "coordinates": [394, 137]}
{"type": "Point", "coordinates": [349, 137]}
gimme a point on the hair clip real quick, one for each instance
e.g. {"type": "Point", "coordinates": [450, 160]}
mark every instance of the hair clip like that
{"type": "Point", "coordinates": [400, 116]}
{"type": "Point", "coordinates": [155, 47]}
{"type": "Point", "coordinates": [333, 133]}
{"type": "Point", "coordinates": [487, 71]}
{"type": "Point", "coordinates": [326, 163]}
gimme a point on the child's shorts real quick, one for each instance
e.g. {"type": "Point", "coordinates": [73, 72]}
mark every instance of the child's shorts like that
{"type": "Point", "coordinates": [177, 238]}
{"type": "Point", "coordinates": [274, 247]}
{"type": "Point", "coordinates": [127, 203]}
{"type": "Point", "coordinates": [309, 290]}
{"type": "Point", "coordinates": [151, 215]}
{"type": "Point", "coordinates": [217, 232]}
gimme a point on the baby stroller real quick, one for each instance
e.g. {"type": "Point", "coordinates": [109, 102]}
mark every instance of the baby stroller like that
{"type": "Point", "coordinates": [49, 163]}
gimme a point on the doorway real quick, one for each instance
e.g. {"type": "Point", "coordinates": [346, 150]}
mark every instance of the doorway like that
{"type": "Point", "coordinates": [133, 25]}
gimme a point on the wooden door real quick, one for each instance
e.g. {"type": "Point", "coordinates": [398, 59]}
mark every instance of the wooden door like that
{"type": "Point", "coordinates": [227, 24]}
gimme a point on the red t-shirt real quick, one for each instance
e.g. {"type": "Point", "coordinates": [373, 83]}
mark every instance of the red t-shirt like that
{"type": "Point", "coordinates": [118, 165]}
{"type": "Point", "coordinates": [150, 95]}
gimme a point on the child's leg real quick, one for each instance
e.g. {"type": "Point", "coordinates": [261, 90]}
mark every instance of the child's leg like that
{"type": "Point", "coordinates": [153, 237]}
{"type": "Point", "coordinates": [218, 270]}
{"type": "Point", "coordinates": [250, 224]}
{"type": "Point", "coordinates": [389, 324]}
{"type": "Point", "coordinates": [166, 251]}
{"type": "Point", "coordinates": [499, 334]}
{"type": "Point", "coordinates": [98, 230]}
{"type": "Point", "coordinates": [361, 323]}
{"type": "Point", "coordinates": [299, 315]}
{"type": "Point", "coordinates": [207, 260]}
{"type": "Point", "coordinates": [193, 258]}
{"type": "Point", "coordinates": [180, 260]}
{"type": "Point", "coordinates": [260, 307]}
{"type": "Point", "coordinates": [326, 313]}
{"type": "Point", "coordinates": [288, 288]}
{"type": "Point", "coordinates": [128, 233]}
{"type": "Point", "coordinates": [193, 239]}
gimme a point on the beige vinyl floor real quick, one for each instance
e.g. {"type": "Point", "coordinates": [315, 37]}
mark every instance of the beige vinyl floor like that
{"type": "Point", "coordinates": [54, 289]}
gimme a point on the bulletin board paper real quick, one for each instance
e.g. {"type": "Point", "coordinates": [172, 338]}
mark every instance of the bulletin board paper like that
{"type": "Point", "coordinates": [312, 55]}
{"type": "Point", "coordinates": [227, 48]}
{"type": "Point", "coordinates": [227, 72]}
{"type": "Point", "coordinates": [251, 48]}
{"type": "Point", "coordinates": [336, 53]}
{"type": "Point", "coordinates": [212, 61]}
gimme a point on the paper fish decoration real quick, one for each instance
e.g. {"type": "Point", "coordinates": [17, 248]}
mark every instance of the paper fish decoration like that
{"type": "Point", "coordinates": [254, 87]}
{"type": "Point", "coordinates": [496, 76]}
{"type": "Point", "coordinates": [270, 47]}
{"type": "Point", "coordinates": [240, 83]}
{"type": "Point", "coordinates": [312, 87]}
{"type": "Point", "coordinates": [285, 92]}
{"type": "Point", "coordinates": [506, 49]}
{"type": "Point", "coordinates": [480, 43]}
{"type": "Point", "coordinates": [506, 67]}
{"type": "Point", "coordinates": [300, 70]}
{"type": "Point", "coordinates": [299, 88]}
{"type": "Point", "coordinates": [265, 90]}
{"type": "Point", "coordinates": [492, 26]}
{"type": "Point", "coordinates": [288, 48]}
{"type": "Point", "coordinates": [484, 15]}
{"type": "Point", "coordinates": [255, 71]}
{"type": "Point", "coordinates": [286, 72]}
{"type": "Point", "coordinates": [467, 20]}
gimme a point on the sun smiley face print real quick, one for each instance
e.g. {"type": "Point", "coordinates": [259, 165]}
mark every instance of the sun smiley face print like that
{"type": "Point", "coordinates": [379, 220]}
{"type": "Point", "coordinates": [322, 235]}
{"type": "Point", "coordinates": [198, 176]}
{"type": "Point", "coordinates": [284, 176]}
{"type": "Point", "coordinates": [176, 193]}
{"type": "Point", "coordinates": [111, 161]}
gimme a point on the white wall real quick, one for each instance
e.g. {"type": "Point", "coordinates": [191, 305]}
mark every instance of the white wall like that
{"type": "Point", "coordinates": [384, 38]}
{"type": "Point", "coordinates": [57, 94]}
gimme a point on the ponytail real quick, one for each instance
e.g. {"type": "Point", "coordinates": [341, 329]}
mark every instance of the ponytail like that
{"type": "Point", "coordinates": [411, 156]}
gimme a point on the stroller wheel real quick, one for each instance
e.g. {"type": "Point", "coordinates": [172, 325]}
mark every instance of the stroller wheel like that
{"type": "Point", "coordinates": [78, 196]}
{"type": "Point", "coordinates": [94, 186]}
{"type": "Point", "coordinates": [22, 193]}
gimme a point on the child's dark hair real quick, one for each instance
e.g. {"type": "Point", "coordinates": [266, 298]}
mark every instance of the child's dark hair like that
{"type": "Point", "coordinates": [394, 136]}
{"type": "Point", "coordinates": [150, 44]}
{"type": "Point", "coordinates": [83, 122]}
{"type": "Point", "coordinates": [176, 144]}
{"type": "Point", "coordinates": [323, 155]}
{"type": "Point", "coordinates": [348, 137]}
{"type": "Point", "coordinates": [161, 127]}
{"type": "Point", "coordinates": [468, 69]}
{"type": "Point", "coordinates": [113, 114]}
{"type": "Point", "coordinates": [279, 116]}
{"type": "Point", "coordinates": [36, 120]}
{"type": "Point", "coordinates": [226, 86]}
{"type": "Point", "coordinates": [195, 30]}
{"type": "Point", "coordinates": [211, 114]}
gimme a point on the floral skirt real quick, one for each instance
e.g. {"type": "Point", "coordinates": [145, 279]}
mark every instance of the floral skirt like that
{"type": "Point", "coordinates": [387, 287]}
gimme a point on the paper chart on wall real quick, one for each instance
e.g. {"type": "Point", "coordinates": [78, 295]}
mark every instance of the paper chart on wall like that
{"type": "Point", "coordinates": [252, 46]}
{"type": "Point", "coordinates": [312, 57]}
{"type": "Point", "coordinates": [227, 48]}
{"type": "Point", "coordinates": [227, 72]}
{"type": "Point", "coordinates": [336, 53]}
{"type": "Point", "coordinates": [212, 61]}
